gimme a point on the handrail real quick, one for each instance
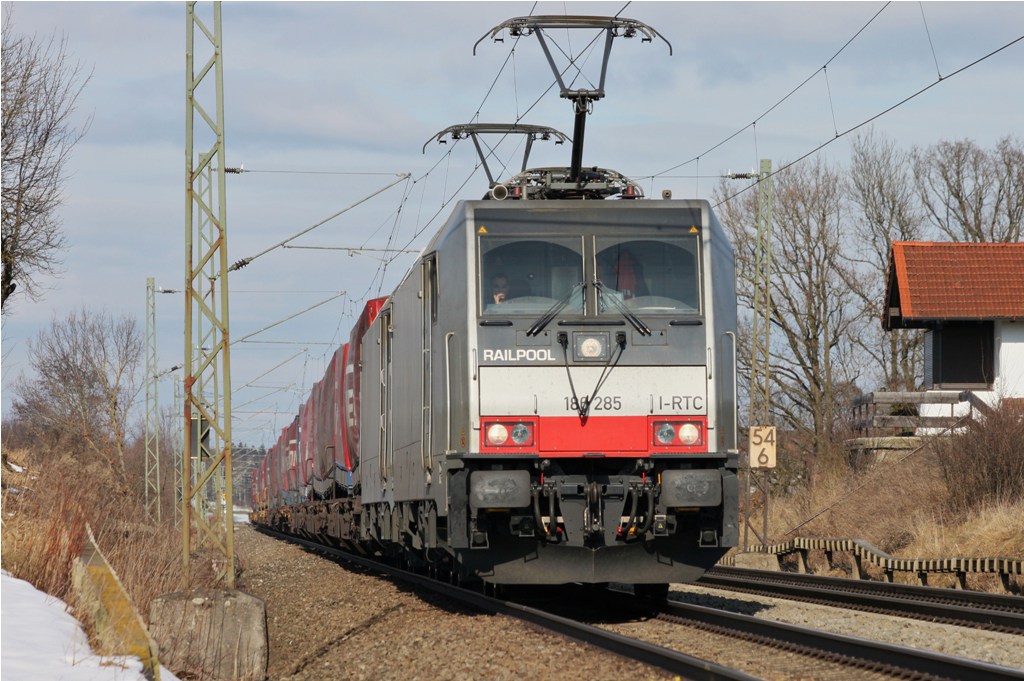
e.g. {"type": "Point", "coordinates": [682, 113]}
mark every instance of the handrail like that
{"type": "Point", "coordinates": [866, 418]}
{"type": "Point", "coordinates": [971, 398]}
{"type": "Point", "coordinates": [448, 391]}
{"type": "Point", "coordinates": [735, 393]}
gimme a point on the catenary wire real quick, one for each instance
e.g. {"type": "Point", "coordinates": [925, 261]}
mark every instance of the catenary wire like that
{"type": "Point", "coordinates": [778, 103]}
{"type": "Point", "coordinates": [930, 43]}
{"type": "Point", "coordinates": [878, 115]}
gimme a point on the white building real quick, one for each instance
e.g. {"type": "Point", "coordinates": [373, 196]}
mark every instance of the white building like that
{"type": "Point", "coordinates": [969, 300]}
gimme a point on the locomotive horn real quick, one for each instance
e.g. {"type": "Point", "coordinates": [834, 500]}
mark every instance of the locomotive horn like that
{"type": "Point", "coordinates": [499, 192]}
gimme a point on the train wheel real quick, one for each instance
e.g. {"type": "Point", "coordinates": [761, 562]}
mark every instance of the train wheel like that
{"type": "Point", "coordinates": [651, 594]}
{"type": "Point", "coordinates": [499, 591]}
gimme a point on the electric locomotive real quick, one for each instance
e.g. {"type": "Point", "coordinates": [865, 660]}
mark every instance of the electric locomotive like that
{"type": "Point", "coordinates": [556, 395]}
{"type": "Point", "coordinates": [548, 396]}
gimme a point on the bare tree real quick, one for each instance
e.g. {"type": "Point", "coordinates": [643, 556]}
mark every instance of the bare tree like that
{"type": "Point", "coordinates": [1010, 161]}
{"type": "Point", "coordinates": [86, 380]}
{"type": "Point", "coordinates": [971, 194]}
{"type": "Point", "coordinates": [831, 241]}
{"type": "Point", "coordinates": [813, 301]}
{"type": "Point", "coordinates": [738, 213]}
{"type": "Point", "coordinates": [40, 92]}
{"type": "Point", "coordinates": [881, 188]}
{"type": "Point", "coordinates": [814, 308]}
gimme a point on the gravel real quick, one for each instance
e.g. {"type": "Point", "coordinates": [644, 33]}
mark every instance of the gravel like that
{"type": "Point", "coordinates": [1002, 649]}
{"type": "Point", "coordinates": [327, 621]}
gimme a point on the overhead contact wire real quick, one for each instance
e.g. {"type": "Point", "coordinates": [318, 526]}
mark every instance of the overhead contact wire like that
{"type": "Point", "coordinates": [878, 115]}
{"type": "Point", "coordinates": [781, 101]}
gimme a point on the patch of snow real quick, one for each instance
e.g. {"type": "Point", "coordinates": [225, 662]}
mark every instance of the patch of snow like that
{"type": "Point", "coordinates": [40, 640]}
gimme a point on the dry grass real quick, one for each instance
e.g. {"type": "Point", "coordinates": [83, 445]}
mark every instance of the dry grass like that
{"type": "Point", "coordinates": [45, 512]}
{"type": "Point", "coordinates": [900, 508]}
{"type": "Point", "coordinates": [881, 505]}
{"type": "Point", "coordinates": [995, 531]}
{"type": "Point", "coordinates": [984, 465]}
{"type": "Point", "coordinates": [958, 497]}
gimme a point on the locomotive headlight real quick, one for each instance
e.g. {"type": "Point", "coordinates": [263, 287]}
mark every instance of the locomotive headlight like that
{"type": "Point", "coordinates": [685, 433]}
{"type": "Point", "coordinates": [590, 346]}
{"type": "Point", "coordinates": [664, 433]}
{"type": "Point", "coordinates": [509, 433]}
{"type": "Point", "coordinates": [497, 434]}
{"type": "Point", "coordinates": [521, 434]}
{"type": "Point", "coordinates": [689, 434]}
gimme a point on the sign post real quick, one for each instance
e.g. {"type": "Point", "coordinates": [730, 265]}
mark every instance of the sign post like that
{"type": "Point", "coordinates": [761, 458]}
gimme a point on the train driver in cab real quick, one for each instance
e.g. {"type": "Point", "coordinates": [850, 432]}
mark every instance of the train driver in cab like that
{"type": "Point", "coordinates": [608, 279]}
{"type": "Point", "coordinates": [499, 288]}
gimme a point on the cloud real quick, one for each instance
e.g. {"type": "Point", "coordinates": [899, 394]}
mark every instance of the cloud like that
{"type": "Point", "coordinates": [359, 87]}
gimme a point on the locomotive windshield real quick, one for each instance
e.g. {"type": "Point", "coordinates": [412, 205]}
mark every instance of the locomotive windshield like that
{"type": "Point", "coordinates": [529, 275]}
{"type": "Point", "coordinates": [648, 275]}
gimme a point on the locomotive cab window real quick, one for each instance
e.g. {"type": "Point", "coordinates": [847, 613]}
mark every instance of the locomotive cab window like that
{"type": "Point", "coordinates": [529, 275]}
{"type": "Point", "coordinates": [648, 276]}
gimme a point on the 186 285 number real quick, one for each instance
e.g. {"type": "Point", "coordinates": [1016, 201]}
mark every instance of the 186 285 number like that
{"type": "Point", "coordinates": [599, 403]}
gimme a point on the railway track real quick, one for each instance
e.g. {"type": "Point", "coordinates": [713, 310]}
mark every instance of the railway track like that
{"type": "Point", "coordinates": [858, 653]}
{"type": "Point", "coordinates": [820, 647]}
{"type": "Point", "coordinates": [993, 612]}
{"type": "Point", "coordinates": [685, 666]}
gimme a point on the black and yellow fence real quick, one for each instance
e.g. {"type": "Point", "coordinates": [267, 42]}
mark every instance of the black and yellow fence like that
{"type": "Point", "coordinates": [864, 554]}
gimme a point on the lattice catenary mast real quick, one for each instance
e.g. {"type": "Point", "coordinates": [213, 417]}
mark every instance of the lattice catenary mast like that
{"type": "Point", "coordinates": [207, 410]}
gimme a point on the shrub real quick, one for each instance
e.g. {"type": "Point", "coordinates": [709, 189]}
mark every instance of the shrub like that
{"type": "Point", "coordinates": [985, 463]}
{"type": "Point", "coordinates": [46, 510]}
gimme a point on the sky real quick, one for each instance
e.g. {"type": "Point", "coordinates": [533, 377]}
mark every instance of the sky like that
{"type": "Point", "coordinates": [42, 641]}
{"type": "Point", "coordinates": [328, 102]}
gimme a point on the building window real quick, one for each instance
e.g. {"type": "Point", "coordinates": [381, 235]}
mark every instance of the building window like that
{"type": "Point", "coordinates": [960, 355]}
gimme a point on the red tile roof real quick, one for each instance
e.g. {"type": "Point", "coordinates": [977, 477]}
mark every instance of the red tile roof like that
{"type": "Point", "coordinates": [943, 281]}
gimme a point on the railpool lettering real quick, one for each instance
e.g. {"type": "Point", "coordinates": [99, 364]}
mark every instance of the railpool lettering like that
{"type": "Point", "coordinates": [518, 355]}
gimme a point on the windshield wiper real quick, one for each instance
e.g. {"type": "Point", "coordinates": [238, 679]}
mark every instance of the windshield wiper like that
{"type": "Point", "coordinates": [637, 323]}
{"type": "Point", "coordinates": [539, 325]}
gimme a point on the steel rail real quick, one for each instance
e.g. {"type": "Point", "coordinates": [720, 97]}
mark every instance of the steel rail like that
{"type": "Point", "coordinates": [993, 612]}
{"type": "Point", "coordinates": [887, 657]}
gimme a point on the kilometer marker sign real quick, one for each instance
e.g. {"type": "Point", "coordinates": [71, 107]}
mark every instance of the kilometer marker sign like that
{"type": "Point", "coordinates": [762, 446]}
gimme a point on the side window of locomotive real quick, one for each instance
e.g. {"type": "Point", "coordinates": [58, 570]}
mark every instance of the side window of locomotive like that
{"type": "Point", "coordinates": [649, 275]}
{"type": "Point", "coordinates": [431, 285]}
{"type": "Point", "coordinates": [529, 275]}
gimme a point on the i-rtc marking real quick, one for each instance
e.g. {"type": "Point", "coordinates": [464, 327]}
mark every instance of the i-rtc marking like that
{"type": "Point", "coordinates": [680, 403]}
{"type": "Point", "coordinates": [518, 354]}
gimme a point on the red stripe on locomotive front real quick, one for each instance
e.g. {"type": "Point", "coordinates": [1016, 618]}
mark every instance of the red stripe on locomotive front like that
{"type": "Point", "coordinates": [570, 436]}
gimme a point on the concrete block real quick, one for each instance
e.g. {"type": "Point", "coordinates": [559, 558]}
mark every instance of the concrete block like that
{"type": "Point", "coordinates": [757, 561]}
{"type": "Point", "coordinates": [103, 600]}
{"type": "Point", "coordinates": [211, 634]}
